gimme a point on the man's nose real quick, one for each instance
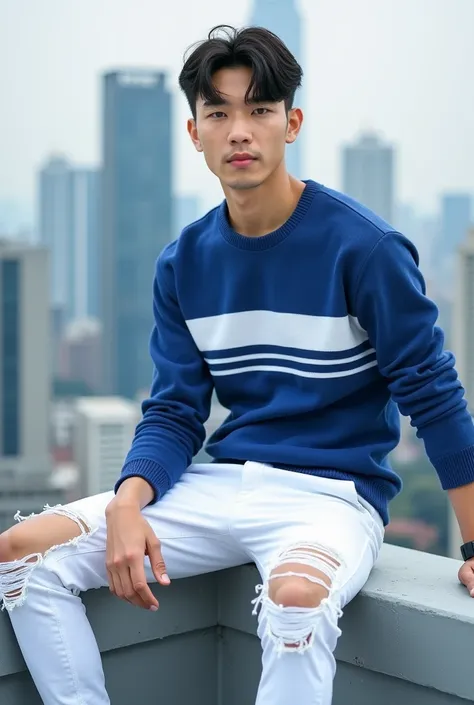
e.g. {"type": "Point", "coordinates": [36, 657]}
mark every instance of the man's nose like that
{"type": "Point", "coordinates": [240, 132]}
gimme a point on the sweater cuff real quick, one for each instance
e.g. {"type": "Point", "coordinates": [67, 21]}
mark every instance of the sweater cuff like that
{"type": "Point", "coordinates": [148, 470]}
{"type": "Point", "coordinates": [456, 469]}
{"type": "Point", "coordinates": [449, 444]}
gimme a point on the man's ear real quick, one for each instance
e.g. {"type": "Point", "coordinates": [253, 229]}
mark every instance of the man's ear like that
{"type": "Point", "coordinates": [295, 120]}
{"type": "Point", "coordinates": [193, 133]}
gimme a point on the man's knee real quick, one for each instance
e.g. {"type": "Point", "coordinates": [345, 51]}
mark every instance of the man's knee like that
{"type": "Point", "coordinates": [24, 547]}
{"type": "Point", "coordinates": [299, 589]}
{"type": "Point", "coordinates": [295, 591]}
{"type": "Point", "coordinates": [303, 576]}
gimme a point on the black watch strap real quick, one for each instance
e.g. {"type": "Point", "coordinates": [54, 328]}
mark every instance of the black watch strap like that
{"type": "Point", "coordinates": [467, 550]}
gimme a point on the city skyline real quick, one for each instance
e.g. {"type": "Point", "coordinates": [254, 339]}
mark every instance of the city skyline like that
{"type": "Point", "coordinates": [409, 97]}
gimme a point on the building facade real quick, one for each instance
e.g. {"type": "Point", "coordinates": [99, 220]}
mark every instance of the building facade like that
{"type": "Point", "coordinates": [137, 220]}
{"type": "Point", "coordinates": [103, 432]}
{"type": "Point", "coordinates": [368, 174]}
{"type": "Point", "coordinates": [69, 198]}
{"type": "Point", "coordinates": [462, 339]}
{"type": "Point", "coordinates": [25, 377]}
{"type": "Point", "coordinates": [84, 265]}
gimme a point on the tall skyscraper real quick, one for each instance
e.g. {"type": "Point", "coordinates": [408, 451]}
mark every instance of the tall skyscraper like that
{"type": "Point", "coordinates": [24, 360]}
{"type": "Point", "coordinates": [55, 226]}
{"type": "Point", "coordinates": [368, 167]}
{"type": "Point", "coordinates": [68, 226]}
{"type": "Point", "coordinates": [84, 264]}
{"type": "Point", "coordinates": [282, 17]}
{"type": "Point", "coordinates": [137, 219]}
{"type": "Point", "coordinates": [463, 315]}
{"type": "Point", "coordinates": [462, 339]}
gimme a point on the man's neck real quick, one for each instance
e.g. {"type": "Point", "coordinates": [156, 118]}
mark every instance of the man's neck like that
{"type": "Point", "coordinates": [261, 210]}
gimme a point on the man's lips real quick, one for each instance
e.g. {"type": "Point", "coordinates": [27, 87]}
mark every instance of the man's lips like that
{"type": "Point", "coordinates": [241, 160]}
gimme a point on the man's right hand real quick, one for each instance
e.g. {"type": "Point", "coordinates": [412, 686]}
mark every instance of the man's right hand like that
{"type": "Point", "coordinates": [129, 539]}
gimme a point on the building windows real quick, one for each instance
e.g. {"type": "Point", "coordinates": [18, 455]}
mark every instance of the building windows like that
{"type": "Point", "coordinates": [10, 357]}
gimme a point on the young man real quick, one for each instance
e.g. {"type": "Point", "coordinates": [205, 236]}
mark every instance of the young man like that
{"type": "Point", "coordinates": [308, 316]}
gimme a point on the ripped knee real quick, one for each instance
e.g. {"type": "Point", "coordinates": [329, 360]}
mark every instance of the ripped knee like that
{"type": "Point", "coordinates": [300, 587]}
{"type": "Point", "coordinates": [15, 574]}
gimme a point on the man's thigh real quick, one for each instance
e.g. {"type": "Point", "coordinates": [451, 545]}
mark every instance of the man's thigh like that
{"type": "Point", "coordinates": [191, 521]}
{"type": "Point", "coordinates": [312, 523]}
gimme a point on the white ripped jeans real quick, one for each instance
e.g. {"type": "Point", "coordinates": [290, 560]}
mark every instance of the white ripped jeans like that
{"type": "Point", "coordinates": [216, 516]}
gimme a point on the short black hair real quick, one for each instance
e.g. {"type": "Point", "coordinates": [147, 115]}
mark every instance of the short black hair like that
{"type": "Point", "coordinates": [276, 74]}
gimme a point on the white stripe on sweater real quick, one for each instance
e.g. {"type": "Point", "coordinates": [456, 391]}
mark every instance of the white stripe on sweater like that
{"type": "Point", "coordinates": [291, 330]}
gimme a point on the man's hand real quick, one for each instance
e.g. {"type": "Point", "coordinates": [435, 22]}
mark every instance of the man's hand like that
{"type": "Point", "coordinates": [129, 539]}
{"type": "Point", "coordinates": [466, 575]}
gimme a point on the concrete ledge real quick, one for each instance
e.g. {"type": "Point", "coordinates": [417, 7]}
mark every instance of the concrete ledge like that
{"type": "Point", "coordinates": [413, 621]}
{"type": "Point", "coordinates": [408, 637]}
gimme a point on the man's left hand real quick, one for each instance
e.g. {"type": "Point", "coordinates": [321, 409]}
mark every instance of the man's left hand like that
{"type": "Point", "coordinates": [466, 575]}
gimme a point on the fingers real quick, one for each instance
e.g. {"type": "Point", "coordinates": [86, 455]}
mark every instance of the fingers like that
{"type": "Point", "coordinates": [128, 591]}
{"type": "Point", "coordinates": [127, 581]}
{"type": "Point", "coordinates": [466, 576]}
{"type": "Point", "coordinates": [114, 585]}
{"type": "Point", "coordinates": [141, 587]}
{"type": "Point", "coordinates": [153, 550]}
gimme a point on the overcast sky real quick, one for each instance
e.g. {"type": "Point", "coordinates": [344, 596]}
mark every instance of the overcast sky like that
{"type": "Point", "coordinates": [403, 67]}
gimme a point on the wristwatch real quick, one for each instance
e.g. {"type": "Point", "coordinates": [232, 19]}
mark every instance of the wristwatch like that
{"type": "Point", "coordinates": [467, 550]}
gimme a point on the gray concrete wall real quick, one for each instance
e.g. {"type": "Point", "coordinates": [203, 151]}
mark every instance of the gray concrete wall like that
{"type": "Point", "coordinates": [407, 638]}
{"type": "Point", "coordinates": [142, 651]}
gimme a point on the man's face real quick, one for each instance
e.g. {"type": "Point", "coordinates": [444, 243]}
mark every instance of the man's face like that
{"type": "Point", "coordinates": [243, 143]}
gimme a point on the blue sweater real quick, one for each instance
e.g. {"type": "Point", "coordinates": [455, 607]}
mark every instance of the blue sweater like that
{"type": "Point", "coordinates": [314, 337]}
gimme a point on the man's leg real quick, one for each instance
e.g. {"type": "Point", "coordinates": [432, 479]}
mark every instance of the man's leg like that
{"type": "Point", "coordinates": [48, 560]}
{"type": "Point", "coordinates": [315, 552]}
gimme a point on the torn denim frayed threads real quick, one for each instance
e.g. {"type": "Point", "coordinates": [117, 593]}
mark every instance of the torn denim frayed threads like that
{"type": "Point", "coordinates": [15, 575]}
{"type": "Point", "coordinates": [292, 629]}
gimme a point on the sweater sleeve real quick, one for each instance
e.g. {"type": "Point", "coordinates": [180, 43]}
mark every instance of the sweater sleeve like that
{"type": "Point", "coordinates": [392, 306]}
{"type": "Point", "coordinates": [171, 430]}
